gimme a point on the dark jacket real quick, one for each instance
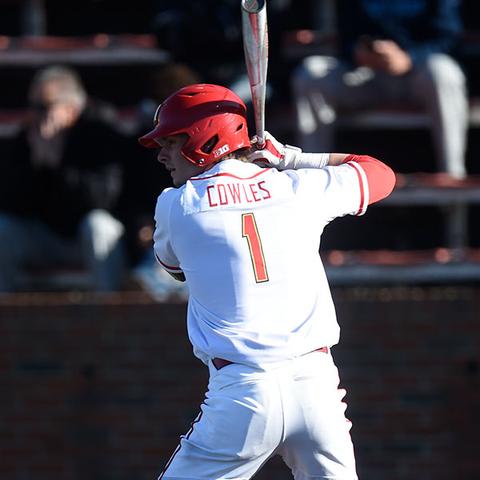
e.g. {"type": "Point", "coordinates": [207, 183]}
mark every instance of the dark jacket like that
{"type": "Point", "coordinates": [420, 27]}
{"type": "Point", "coordinates": [89, 176]}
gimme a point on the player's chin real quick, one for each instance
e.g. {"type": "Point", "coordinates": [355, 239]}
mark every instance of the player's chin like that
{"type": "Point", "coordinates": [177, 181]}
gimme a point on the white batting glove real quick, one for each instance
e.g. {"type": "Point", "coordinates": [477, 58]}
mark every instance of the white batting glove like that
{"type": "Point", "coordinates": [285, 157]}
{"type": "Point", "coordinates": [274, 153]}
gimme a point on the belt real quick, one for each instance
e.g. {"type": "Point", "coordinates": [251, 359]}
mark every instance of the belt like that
{"type": "Point", "coordinates": [219, 363]}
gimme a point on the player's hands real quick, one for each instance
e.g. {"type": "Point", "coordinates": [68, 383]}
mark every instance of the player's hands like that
{"type": "Point", "coordinates": [272, 153]}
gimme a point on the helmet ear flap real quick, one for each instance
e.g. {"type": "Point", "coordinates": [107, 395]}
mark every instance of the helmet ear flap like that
{"type": "Point", "coordinates": [206, 150]}
{"type": "Point", "coordinates": [209, 145]}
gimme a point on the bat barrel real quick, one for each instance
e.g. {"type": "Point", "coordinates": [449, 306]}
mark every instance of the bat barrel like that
{"type": "Point", "coordinates": [255, 44]}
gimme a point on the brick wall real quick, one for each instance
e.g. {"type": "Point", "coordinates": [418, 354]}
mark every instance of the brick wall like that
{"type": "Point", "coordinates": [100, 388]}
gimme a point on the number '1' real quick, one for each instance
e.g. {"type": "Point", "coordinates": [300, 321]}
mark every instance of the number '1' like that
{"type": "Point", "coordinates": [250, 232]}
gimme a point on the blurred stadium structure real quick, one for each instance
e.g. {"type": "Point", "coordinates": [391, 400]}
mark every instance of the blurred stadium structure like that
{"type": "Point", "coordinates": [114, 49]}
{"type": "Point", "coordinates": [85, 379]}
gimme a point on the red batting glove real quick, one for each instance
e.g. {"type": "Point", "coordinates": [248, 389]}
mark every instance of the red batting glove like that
{"type": "Point", "coordinates": [273, 153]}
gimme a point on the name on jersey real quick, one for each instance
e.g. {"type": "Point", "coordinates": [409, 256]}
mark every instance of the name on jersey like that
{"type": "Point", "coordinates": [234, 193]}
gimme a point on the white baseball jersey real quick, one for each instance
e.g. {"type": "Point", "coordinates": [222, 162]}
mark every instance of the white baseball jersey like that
{"type": "Point", "coordinates": [247, 239]}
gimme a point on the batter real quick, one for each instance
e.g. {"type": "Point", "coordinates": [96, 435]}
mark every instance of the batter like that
{"type": "Point", "coordinates": [243, 226]}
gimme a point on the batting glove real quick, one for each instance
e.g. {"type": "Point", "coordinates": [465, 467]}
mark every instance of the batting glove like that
{"type": "Point", "coordinates": [283, 157]}
{"type": "Point", "coordinates": [274, 153]}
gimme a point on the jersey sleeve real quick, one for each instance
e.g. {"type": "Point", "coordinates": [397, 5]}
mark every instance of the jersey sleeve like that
{"type": "Point", "coordinates": [161, 238]}
{"type": "Point", "coordinates": [345, 189]}
{"type": "Point", "coordinates": [334, 191]}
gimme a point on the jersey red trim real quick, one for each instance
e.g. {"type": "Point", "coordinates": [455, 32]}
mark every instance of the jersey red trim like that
{"type": "Point", "coordinates": [362, 185]}
{"type": "Point", "coordinates": [380, 178]}
{"type": "Point", "coordinates": [225, 174]}
{"type": "Point", "coordinates": [168, 267]}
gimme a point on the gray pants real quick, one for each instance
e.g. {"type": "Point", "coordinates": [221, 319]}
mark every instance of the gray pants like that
{"type": "Point", "coordinates": [98, 246]}
{"type": "Point", "coordinates": [323, 88]}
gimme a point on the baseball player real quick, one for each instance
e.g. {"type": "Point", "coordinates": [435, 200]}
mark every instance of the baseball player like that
{"type": "Point", "coordinates": [243, 228]}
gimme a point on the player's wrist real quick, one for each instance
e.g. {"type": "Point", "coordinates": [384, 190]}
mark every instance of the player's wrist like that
{"type": "Point", "coordinates": [290, 157]}
{"type": "Point", "coordinates": [312, 160]}
{"type": "Point", "coordinates": [293, 158]}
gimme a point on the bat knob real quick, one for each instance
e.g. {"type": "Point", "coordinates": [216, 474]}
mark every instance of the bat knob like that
{"type": "Point", "coordinates": [258, 142]}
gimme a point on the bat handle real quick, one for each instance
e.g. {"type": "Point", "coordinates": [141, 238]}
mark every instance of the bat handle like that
{"type": "Point", "coordinates": [258, 100]}
{"type": "Point", "coordinates": [258, 143]}
{"type": "Point", "coordinates": [261, 141]}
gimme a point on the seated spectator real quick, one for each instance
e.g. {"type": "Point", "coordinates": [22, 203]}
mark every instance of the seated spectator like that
{"type": "Point", "coordinates": [391, 52]}
{"type": "Point", "coordinates": [60, 188]}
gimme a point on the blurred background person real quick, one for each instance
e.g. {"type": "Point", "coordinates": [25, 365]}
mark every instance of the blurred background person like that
{"type": "Point", "coordinates": [60, 188]}
{"type": "Point", "coordinates": [391, 53]}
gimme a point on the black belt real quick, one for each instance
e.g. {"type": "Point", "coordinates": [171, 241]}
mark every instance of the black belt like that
{"type": "Point", "coordinates": [219, 363]}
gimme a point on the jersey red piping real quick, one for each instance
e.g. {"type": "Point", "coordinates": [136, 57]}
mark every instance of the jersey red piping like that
{"type": "Point", "coordinates": [224, 174]}
{"type": "Point", "coordinates": [362, 188]}
{"type": "Point", "coordinates": [169, 267]}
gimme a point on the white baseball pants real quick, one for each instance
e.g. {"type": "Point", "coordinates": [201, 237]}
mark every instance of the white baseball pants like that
{"type": "Point", "coordinates": [248, 415]}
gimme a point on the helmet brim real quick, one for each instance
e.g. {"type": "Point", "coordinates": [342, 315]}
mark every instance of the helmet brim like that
{"type": "Point", "coordinates": [148, 140]}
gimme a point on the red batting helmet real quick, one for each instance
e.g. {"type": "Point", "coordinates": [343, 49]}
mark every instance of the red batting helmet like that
{"type": "Point", "coordinates": [213, 117]}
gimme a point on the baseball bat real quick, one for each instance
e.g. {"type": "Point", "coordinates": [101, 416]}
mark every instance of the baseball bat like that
{"type": "Point", "coordinates": [255, 47]}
